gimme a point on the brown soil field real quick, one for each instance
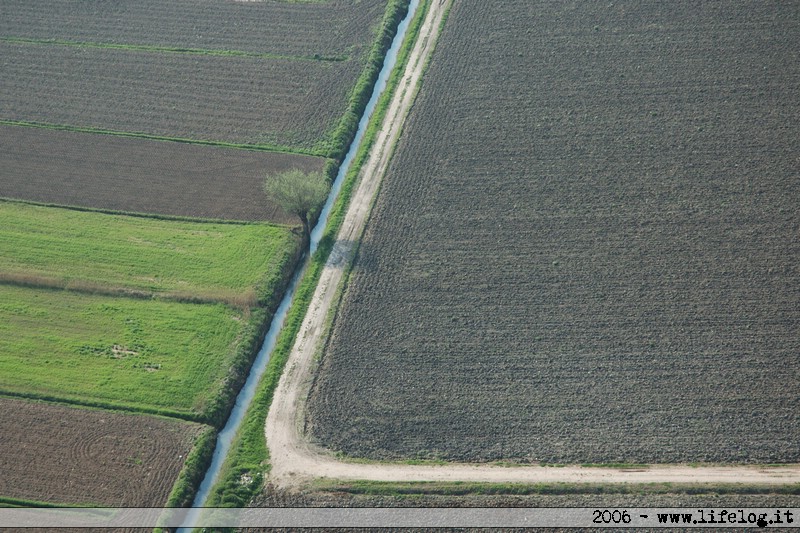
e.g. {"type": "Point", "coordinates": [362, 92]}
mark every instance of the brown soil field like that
{"type": "Point", "coordinates": [330, 28]}
{"type": "Point", "coordinates": [58, 454]}
{"type": "Point", "coordinates": [249, 100]}
{"type": "Point", "coordinates": [266, 73]}
{"type": "Point", "coordinates": [140, 175]}
{"type": "Point", "coordinates": [587, 252]}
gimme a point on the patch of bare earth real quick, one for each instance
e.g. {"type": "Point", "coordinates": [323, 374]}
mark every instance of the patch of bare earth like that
{"type": "Point", "coordinates": [58, 454]}
{"type": "Point", "coordinates": [141, 175]}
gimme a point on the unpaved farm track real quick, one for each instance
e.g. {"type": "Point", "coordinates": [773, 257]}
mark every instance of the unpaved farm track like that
{"type": "Point", "coordinates": [294, 460]}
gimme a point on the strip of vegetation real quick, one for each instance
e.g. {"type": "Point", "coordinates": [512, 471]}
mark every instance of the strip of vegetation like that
{"type": "Point", "coordinates": [142, 135]}
{"type": "Point", "coordinates": [248, 458]}
{"type": "Point", "coordinates": [338, 142]}
{"type": "Point", "coordinates": [381, 488]}
{"type": "Point", "coordinates": [16, 502]}
{"type": "Point", "coordinates": [241, 300]}
{"type": "Point", "coordinates": [238, 264]}
{"type": "Point", "coordinates": [154, 216]}
{"type": "Point", "coordinates": [194, 469]}
{"type": "Point", "coordinates": [172, 50]}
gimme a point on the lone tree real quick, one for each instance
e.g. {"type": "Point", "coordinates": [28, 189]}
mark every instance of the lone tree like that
{"type": "Point", "coordinates": [298, 193]}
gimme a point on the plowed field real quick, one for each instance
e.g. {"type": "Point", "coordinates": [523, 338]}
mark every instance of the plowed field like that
{"type": "Point", "coordinates": [586, 248]}
{"type": "Point", "coordinates": [59, 454]}
{"type": "Point", "coordinates": [268, 73]}
{"type": "Point", "coordinates": [330, 28]}
{"type": "Point", "coordinates": [140, 175]}
{"type": "Point", "coordinates": [251, 100]}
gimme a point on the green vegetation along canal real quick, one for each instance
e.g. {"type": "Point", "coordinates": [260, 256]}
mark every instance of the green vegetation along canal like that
{"type": "Point", "coordinates": [245, 396]}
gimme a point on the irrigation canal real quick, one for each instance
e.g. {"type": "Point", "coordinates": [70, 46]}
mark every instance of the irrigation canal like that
{"type": "Point", "coordinates": [245, 397]}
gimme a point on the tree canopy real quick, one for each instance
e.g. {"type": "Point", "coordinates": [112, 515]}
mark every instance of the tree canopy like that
{"type": "Point", "coordinates": [298, 193]}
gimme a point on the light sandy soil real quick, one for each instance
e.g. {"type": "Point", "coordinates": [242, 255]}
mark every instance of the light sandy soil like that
{"type": "Point", "coordinates": [296, 461]}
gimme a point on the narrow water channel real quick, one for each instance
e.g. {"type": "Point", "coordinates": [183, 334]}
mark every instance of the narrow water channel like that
{"type": "Point", "coordinates": [245, 396]}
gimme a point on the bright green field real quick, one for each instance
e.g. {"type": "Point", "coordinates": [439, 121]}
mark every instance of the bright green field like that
{"type": "Point", "coordinates": [68, 248]}
{"type": "Point", "coordinates": [151, 355]}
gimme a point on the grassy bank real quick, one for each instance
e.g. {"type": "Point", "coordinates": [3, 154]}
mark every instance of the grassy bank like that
{"type": "Point", "coordinates": [197, 462]}
{"type": "Point", "coordinates": [340, 139]}
{"type": "Point", "coordinates": [249, 456]}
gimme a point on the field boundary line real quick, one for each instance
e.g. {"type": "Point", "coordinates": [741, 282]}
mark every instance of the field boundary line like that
{"type": "Point", "coordinates": [173, 49]}
{"type": "Point", "coordinates": [153, 137]}
{"type": "Point", "coordinates": [295, 461]}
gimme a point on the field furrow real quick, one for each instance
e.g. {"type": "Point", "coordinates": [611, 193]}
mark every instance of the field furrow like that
{"type": "Point", "coordinates": [59, 454]}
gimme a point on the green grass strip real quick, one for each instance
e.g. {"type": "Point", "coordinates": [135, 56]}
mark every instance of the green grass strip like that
{"type": "Point", "coordinates": [338, 140]}
{"type": "Point", "coordinates": [248, 458]}
{"type": "Point", "coordinates": [153, 216]}
{"type": "Point", "coordinates": [17, 502]}
{"type": "Point", "coordinates": [142, 135]}
{"type": "Point", "coordinates": [173, 50]}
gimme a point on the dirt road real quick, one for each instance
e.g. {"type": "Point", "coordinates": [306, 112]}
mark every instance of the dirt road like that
{"type": "Point", "coordinates": [294, 460]}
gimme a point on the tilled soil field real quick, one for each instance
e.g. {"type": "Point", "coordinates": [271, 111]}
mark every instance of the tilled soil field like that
{"type": "Point", "coordinates": [586, 249]}
{"type": "Point", "coordinates": [335, 28]}
{"type": "Point", "coordinates": [250, 100]}
{"type": "Point", "coordinates": [264, 73]}
{"type": "Point", "coordinates": [53, 453]}
{"type": "Point", "coordinates": [140, 175]}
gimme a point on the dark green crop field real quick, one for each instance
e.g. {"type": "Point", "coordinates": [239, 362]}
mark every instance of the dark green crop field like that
{"type": "Point", "coordinates": [237, 99]}
{"type": "Point", "coordinates": [276, 77]}
{"type": "Point", "coordinates": [586, 249]}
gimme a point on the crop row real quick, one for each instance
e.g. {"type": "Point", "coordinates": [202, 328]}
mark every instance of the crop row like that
{"type": "Point", "coordinates": [587, 251]}
{"type": "Point", "coordinates": [326, 29]}
{"type": "Point", "coordinates": [235, 99]}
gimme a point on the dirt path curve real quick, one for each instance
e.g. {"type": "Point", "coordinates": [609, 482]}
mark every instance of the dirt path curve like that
{"type": "Point", "coordinates": [296, 461]}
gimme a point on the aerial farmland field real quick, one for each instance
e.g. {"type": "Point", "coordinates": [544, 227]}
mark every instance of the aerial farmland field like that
{"type": "Point", "coordinates": [128, 353]}
{"type": "Point", "coordinates": [64, 454]}
{"type": "Point", "coordinates": [166, 111]}
{"type": "Point", "coordinates": [224, 98]}
{"type": "Point", "coordinates": [196, 72]}
{"type": "Point", "coordinates": [132, 313]}
{"type": "Point", "coordinates": [329, 29]}
{"type": "Point", "coordinates": [586, 248]}
{"type": "Point", "coordinates": [199, 80]}
{"type": "Point", "coordinates": [178, 259]}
